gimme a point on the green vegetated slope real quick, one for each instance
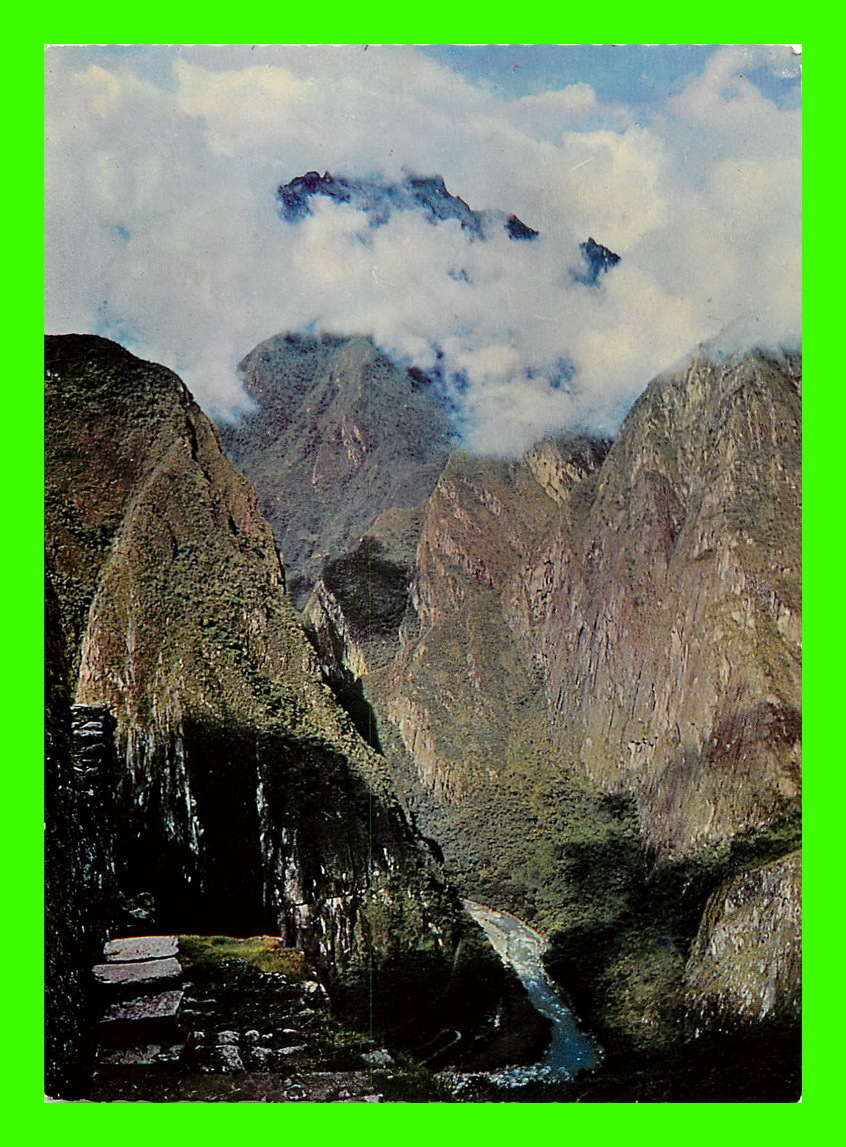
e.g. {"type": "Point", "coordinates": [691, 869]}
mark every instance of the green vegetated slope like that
{"type": "Point", "coordinates": [246, 800]}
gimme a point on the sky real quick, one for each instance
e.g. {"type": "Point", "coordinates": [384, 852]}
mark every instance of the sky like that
{"type": "Point", "coordinates": [163, 230]}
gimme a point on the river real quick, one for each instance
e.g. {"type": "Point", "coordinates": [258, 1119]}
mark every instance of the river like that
{"type": "Point", "coordinates": [518, 945]}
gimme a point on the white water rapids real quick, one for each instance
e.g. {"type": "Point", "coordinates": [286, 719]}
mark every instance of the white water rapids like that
{"type": "Point", "coordinates": [518, 945]}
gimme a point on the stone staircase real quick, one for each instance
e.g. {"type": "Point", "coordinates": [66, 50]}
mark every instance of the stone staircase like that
{"type": "Point", "coordinates": [188, 1018]}
{"type": "Point", "coordinates": [142, 990]}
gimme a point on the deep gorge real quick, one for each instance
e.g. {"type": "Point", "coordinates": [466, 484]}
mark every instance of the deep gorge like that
{"type": "Point", "coordinates": [565, 686]}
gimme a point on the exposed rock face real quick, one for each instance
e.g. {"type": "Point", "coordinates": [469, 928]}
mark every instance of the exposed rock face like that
{"type": "Point", "coordinates": [339, 435]}
{"type": "Point", "coordinates": [458, 680]}
{"type": "Point", "coordinates": [247, 800]}
{"type": "Point", "coordinates": [461, 710]}
{"type": "Point", "coordinates": [598, 260]}
{"type": "Point", "coordinates": [749, 939]}
{"type": "Point", "coordinates": [679, 671]}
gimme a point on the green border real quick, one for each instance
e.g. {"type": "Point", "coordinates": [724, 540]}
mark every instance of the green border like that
{"type": "Point", "coordinates": [20, 1045]}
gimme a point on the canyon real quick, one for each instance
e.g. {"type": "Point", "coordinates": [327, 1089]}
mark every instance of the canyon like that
{"type": "Point", "coordinates": [565, 686]}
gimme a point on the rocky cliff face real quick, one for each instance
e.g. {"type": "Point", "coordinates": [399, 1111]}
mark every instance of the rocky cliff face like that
{"type": "Point", "coordinates": [462, 711]}
{"type": "Point", "coordinates": [680, 602]}
{"type": "Point", "coordinates": [750, 936]}
{"type": "Point", "coordinates": [248, 803]}
{"type": "Point", "coordinates": [339, 434]}
{"type": "Point", "coordinates": [656, 590]}
{"type": "Point", "coordinates": [482, 531]}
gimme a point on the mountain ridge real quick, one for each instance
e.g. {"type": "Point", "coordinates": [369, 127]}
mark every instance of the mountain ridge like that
{"type": "Point", "coordinates": [378, 199]}
{"type": "Point", "coordinates": [339, 434]}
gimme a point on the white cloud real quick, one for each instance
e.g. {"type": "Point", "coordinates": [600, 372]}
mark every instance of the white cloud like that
{"type": "Point", "coordinates": [162, 226]}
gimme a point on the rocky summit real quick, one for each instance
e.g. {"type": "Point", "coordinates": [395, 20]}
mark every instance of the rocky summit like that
{"type": "Point", "coordinates": [379, 199]}
{"type": "Point", "coordinates": [597, 261]}
{"type": "Point", "coordinates": [306, 695]}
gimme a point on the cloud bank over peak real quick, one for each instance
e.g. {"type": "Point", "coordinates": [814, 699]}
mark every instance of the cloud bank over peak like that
{"type": "Point", "coordinates": [164, 228]}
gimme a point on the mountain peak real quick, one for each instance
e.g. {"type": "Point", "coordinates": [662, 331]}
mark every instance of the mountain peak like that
{"type": "Point", "coordinates": [378, 199]}
{"type": "Point", "coordinates": [597, 261]}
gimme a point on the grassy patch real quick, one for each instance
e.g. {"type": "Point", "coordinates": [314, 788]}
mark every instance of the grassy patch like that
{"type": "Point", "coordinates": [263, 952]}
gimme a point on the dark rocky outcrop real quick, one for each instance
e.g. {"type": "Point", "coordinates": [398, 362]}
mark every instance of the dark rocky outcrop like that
{"type": "Point", "coordinates": [68, 945]}
{"type": "Point", "coordinates": [597, 260]}
{"type": "Point", "coordinates": [517, 229]}
{"type": "Point", "coordinates": [750, 935]}
{"type": "Point", "coordinates": [80, 902]}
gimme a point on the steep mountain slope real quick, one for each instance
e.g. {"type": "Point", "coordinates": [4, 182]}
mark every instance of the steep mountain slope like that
{"type": "Point", "coordinates": [682, 607]}
{"type": "Point", "coordinates": [657, 594]}
{"type": "Point", "coordinates": [338, 435]}
{"type": "Point", "coordinates": [461, 707]}
{"type": "Point", "coordinates": [246, 800]}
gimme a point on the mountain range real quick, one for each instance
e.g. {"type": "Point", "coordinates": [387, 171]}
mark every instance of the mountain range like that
{"type": "Point", "coordinates": [378, 200]}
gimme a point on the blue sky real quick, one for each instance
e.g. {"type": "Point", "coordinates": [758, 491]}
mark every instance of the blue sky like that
{"type": "Point", "coordinates": [163, 229]}
{"type": "Point", "coordinates": [643, 76]}
{"type": "Point", "coordinates": [638, 74]}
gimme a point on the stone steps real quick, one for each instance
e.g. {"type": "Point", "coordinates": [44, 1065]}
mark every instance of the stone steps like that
{"type": "Point", "coordinates": [141, 986]}
{"type": "Point", "coordinates": [137, 978]}
{"type": "Point", "coordinates": [141, 1019]}
{"type": "Point", "coordinates": [239, 1031]}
